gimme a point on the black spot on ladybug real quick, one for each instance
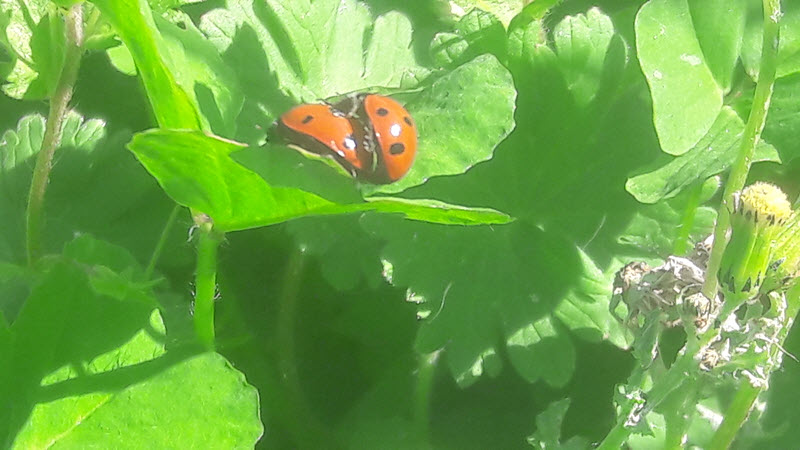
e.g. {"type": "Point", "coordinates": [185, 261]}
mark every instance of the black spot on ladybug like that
{"type": "Point", "coordinates": [408, 122]}
{"type": "Point", "coordinates": [397, 148]}
{"type": "Point", "coordinates": [382, 111]}
{"type": "Point", "coordinates": [307, 119]}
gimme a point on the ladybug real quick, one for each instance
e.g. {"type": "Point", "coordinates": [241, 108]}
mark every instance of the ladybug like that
{"type": "Point", "coordinates": [323, 130]}
{"type": "Point", "coordinates": [389, 131]}
{"type": "Point", "coordinates": [371, 136]}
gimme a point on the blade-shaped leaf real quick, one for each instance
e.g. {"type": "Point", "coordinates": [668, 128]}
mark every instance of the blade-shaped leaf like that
{"type": "Point", "coordinates": [133, 21]}
{"type": "Point", "coordinates": [713, 154]}
{"type": "Point", "coordinates": [197, 171]}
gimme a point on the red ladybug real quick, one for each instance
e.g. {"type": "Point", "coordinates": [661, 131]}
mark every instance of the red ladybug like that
{"type": "Point", "coordinates": [389, 131]}
{"type": "Point", "coordinates": [325, 131]}
{"type": "Point", "coordinates": [370, 135]}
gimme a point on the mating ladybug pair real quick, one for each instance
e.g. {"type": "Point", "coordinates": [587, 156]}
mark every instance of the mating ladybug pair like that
{"type": "Point", "coordinates": [373, 137]}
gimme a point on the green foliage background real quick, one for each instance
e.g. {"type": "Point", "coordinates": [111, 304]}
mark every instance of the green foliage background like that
{"type": "Point", "coordinates": [465, 306]}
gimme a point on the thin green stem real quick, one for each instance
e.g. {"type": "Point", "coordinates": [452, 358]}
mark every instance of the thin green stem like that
{"type": "Point", "coordinates": [422, 394]}
{"type": "Point", "coordinates": [734, 416]}
{"type": "Point", "coordinates": [162, 240]}
{"type": "Point", "coordinates": [682, 240]}
{"type": "Point", "coordinates": [752, 132]}
{"type": "Point", "coordinates": [52, 133]}
{"type": "Point", "coordinates": [206, 282]}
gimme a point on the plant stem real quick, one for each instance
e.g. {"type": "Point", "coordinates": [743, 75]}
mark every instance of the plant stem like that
{"type": "Point", "coordinates": [734, 416]}
{"type": "Point", "coordinates": [52, 133]}
{"type": "Point", "coordinates": [162, 240]}
{"type": "Point", "coordinates": [752, 132]}
{"type": "Point", "coordinates": [422, 394]}
{"type": "Point", "coordinates": [206, 282]}
{"type": "Point", "coordinates": [685, 228]}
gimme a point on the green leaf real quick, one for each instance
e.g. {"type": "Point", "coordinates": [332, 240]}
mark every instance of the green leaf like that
{"type": "Point", "coordinates": [316, 50]}
{"type": "Point", "coordinates": [788, 47]}
{"type": "Point", "coordinates": [582, 43]}
{"type": "Point", "coordinates": [482, 91]}
{"type": "Point", "coordinates": [476, 33]}
{"type": "Point", "coordinates": [281, 57]}
{"type": "Point", "coordinates": [17, 154]}
{"type": "Point", "coordinates": [196, 170]}
{"type": "Point", "coordinates": [201, 72]}
{"type": "Point", "coordinates": [686, 97]}
{"type": "Point", "coordinates": [22, 20]}
{"type": "Point", "coordinates": [86, 360]}
{"type": "Point", "coordinates": [654, 230]}
{"type": "Point", "coordinates": [210, 403]}
{"type": "Point", "coordinates": [783, 121]}
{"type": "Point", "coordinates": [93, 182]}
{"type": "Point", "coordinates": [47, 52]}
{"type": "Point", "coordinates": [479, 286]}
{"type": "Point", "coordinates": [548, 429]}
{"type": "Point", "coordinates": [713, 154]}
{"type": "Point", "coordinates": [133, 21]}
{"type": "Point", "coordinates": [719, 25]}
{"type": "Point", "coordinates": [504, 10]}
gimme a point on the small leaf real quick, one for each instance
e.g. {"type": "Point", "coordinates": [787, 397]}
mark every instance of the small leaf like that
{"type": "Point", "coordinates": [582, 44]}
{"type": "Point", "coordinates": [477, 33]}
{"type": "Point", "coordinates": [686, 98]}
{"type": "Point", "coordinates": [48, 52]}
{"type": "Point", "coordinates": [713, 154]}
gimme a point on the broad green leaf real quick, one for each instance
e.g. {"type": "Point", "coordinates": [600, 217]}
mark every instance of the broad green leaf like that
{"type": "Point", "coordinates": [713, 154]}
{"type": "Point", "coordinates": [133, 21]}
{"type": "Point", "coordinates": [719, 25]}
{"type": "Point", "coordinates": [209, 404]}
{"type": "Point", "coordinates": [789, 44]}
{"type": "Point", "coordinates": [196, 170]}
{"type": "Point", "coordinates": [283, 57]}
{"type": "Point", "coordinates": [346, 260]}
{"type": "Point", "coordinates": [548, 429]}
{"type": "Point", "coordinates": [88, 358]}
{"type": "Point", "coordinates": [316, 50]}
{"type": "Point", "coordinates": [686, 97]}
{"type": "Point", "coordinates": [582, 43]}
{"type": "Point", "coordinates": [479, 286]}
{"type": "Point", "coordinates": [483, 93]}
